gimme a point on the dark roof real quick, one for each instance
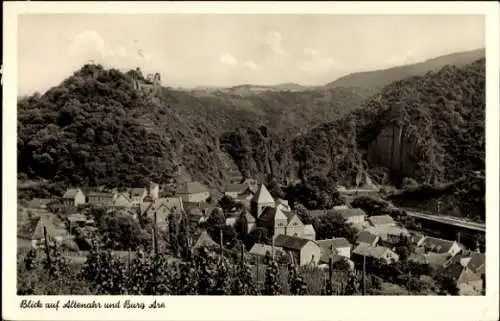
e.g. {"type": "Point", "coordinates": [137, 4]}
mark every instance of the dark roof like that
{"type": "Point", "coordinates": [340, 242]}
{"type": "Point", "coordinates": [137, 191]}
{"type": "Point", "coordinates": [437, 245]}
{"type": "Point", "coordinates": [366, 237]}
{"type": "Point", "coordinates": [239, 188]}
{"type": "Point", "coordinates": [290, 242]}
{"type": "Point", "coordinates": [191, 188]}
{"type": "Point", "coordinates": [350, 212]}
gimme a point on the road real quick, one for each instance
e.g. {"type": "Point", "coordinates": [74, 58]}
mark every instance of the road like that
{"type": "Point", "coordinates": [427, 216]}
{"type": "Point", "coordinates": [449, 220]}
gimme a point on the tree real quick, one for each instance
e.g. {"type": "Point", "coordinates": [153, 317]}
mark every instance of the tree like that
{"type": "Point", "coordinates": [333, 225]}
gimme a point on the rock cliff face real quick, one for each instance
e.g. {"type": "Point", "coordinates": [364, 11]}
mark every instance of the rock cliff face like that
{"type": "Point", "coordinates": [395, 145]}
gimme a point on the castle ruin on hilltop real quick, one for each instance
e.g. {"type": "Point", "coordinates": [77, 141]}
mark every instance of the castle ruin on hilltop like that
{"type": "Point", "coordinates": [149, 84]}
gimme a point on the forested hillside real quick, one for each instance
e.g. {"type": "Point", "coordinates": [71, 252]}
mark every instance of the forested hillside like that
{"type": "Point", "coordinates": [96, 129]}
{"type": "Point", "coordinates": [429, 128]}
{"type": "Point", "coordinates": [376, 80]}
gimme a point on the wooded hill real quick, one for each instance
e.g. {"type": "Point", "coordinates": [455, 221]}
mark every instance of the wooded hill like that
{"type": "Point", "coordinates": [96, 129]}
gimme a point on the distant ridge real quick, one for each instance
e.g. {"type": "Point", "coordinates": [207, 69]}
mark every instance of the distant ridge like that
{"type": "Point", "coordinates": [377, 79]}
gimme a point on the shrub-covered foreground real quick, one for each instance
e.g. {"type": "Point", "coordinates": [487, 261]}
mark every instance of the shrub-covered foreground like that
{"type": "Point", "coordinates": [205, 272]}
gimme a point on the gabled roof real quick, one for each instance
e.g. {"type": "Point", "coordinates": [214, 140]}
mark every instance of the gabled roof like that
{"type": "Point", "coordinates": [191, 188]}
{"type": "Point", "coordinates": [262, 196]}
{"type": "Point", "coordinates": [71, 193]}
{"type": "Point", "coordinates": [261, 249]}
{"type": "Point", "coordinates": [340, 242]}
{"type": "Point", "coordinates": [290, 242]}
{"type": "Point", "coordinates": [350, 212]}
{"type": "Point", "coordinates": [366, 237]}
{"type": "Point", "coordinates": [33, 229]}
{"type": "Point", "coordinates": [381, 220]}
{"type": "Point", "coordinates": [272, 214]}
{"type": "Point", "coordinates": [235, 188]}
{"type": "Point", "coordinates": [437, 245]}
{"type": "Point", "coordinates": [204, 240]}
{"type": "Point", "coordinates": [364, 249]}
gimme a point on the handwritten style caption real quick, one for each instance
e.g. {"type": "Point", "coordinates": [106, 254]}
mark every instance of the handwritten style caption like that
{"type": "Point", "coordinates": [74, 304]}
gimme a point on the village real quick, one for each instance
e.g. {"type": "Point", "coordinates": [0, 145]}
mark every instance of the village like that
{"type": "Point", "coordinates": [249, 209]}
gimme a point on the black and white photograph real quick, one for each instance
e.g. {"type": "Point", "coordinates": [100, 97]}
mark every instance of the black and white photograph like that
{"type": "Point", "coordinates": [250, 154]}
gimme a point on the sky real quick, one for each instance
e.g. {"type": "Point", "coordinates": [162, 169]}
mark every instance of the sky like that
{"type": "Point", "coordinates": [191, 50]}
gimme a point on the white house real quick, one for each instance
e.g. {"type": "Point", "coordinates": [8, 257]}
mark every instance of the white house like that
{"type": "Point", "coordinates": [337, 246]}
{"type": "Point", "coordinates": [352, 215]}
{"type": "Point", "coordinates": [303, 251]}
{"type": "Point", "coordinates": [73, 197]}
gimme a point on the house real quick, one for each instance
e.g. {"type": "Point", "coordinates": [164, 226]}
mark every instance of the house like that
{"type": "Point", "coordinates": [161, 208]}
{"type": "Point", "coordinates": [302, 250]}
{"type": "Point", "coordinates": [377, 252]}
{"type": "Point", "coordinates": [390, 234]}
{"type": "Point", "coordinates": [437, 245]}
{"type": "Point", "coordinates": [279, 222]}
{"type": "Point", "coordinates": [309, 232]}
{"type": "Point", "coordinates": [234, 190]}
{"type": "Point", "coordinates": [436, 260]}
{"type": "Point", "coordinates": [137, 195]}
{"type": "Point", "coordinates": [101, 198]}
{"type": "Point", "coordinates": [73, 197]}
{"type": "Point", "coordinates": [262, 250]}
{"type": "Point", "coordinates": [33, 230]}
{"type": "Point", "coordinates": [193, 192]}
{"type": "Point", "coordinates": [468, 282]}
{"type": "Point", "coordinates": [260, 200]}
{"type": "Point", "coordinates": [204, 240]}
{"type": "Point", "coordinates": [154, 191]}
{"type": "Point", "coordinates": [352, 215]}
{"type": "Point", "coordinates": [336, 246]}
{"type": "Point", "coordinates": [39, 203]}
{"type": "Point", "coordinates": [381, 221]}
{"type": "Point", "coordinates": [122, 200]}
{"type": "Point", "coordinates": [366, 237]}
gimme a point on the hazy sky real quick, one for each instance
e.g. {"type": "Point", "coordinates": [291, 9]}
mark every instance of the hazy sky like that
{"type": "Point", "coordinates": [227, 50]}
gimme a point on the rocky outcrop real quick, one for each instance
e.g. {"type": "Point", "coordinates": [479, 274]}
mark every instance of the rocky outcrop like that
{"type": "Point", "coordinates": [395, 145]}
